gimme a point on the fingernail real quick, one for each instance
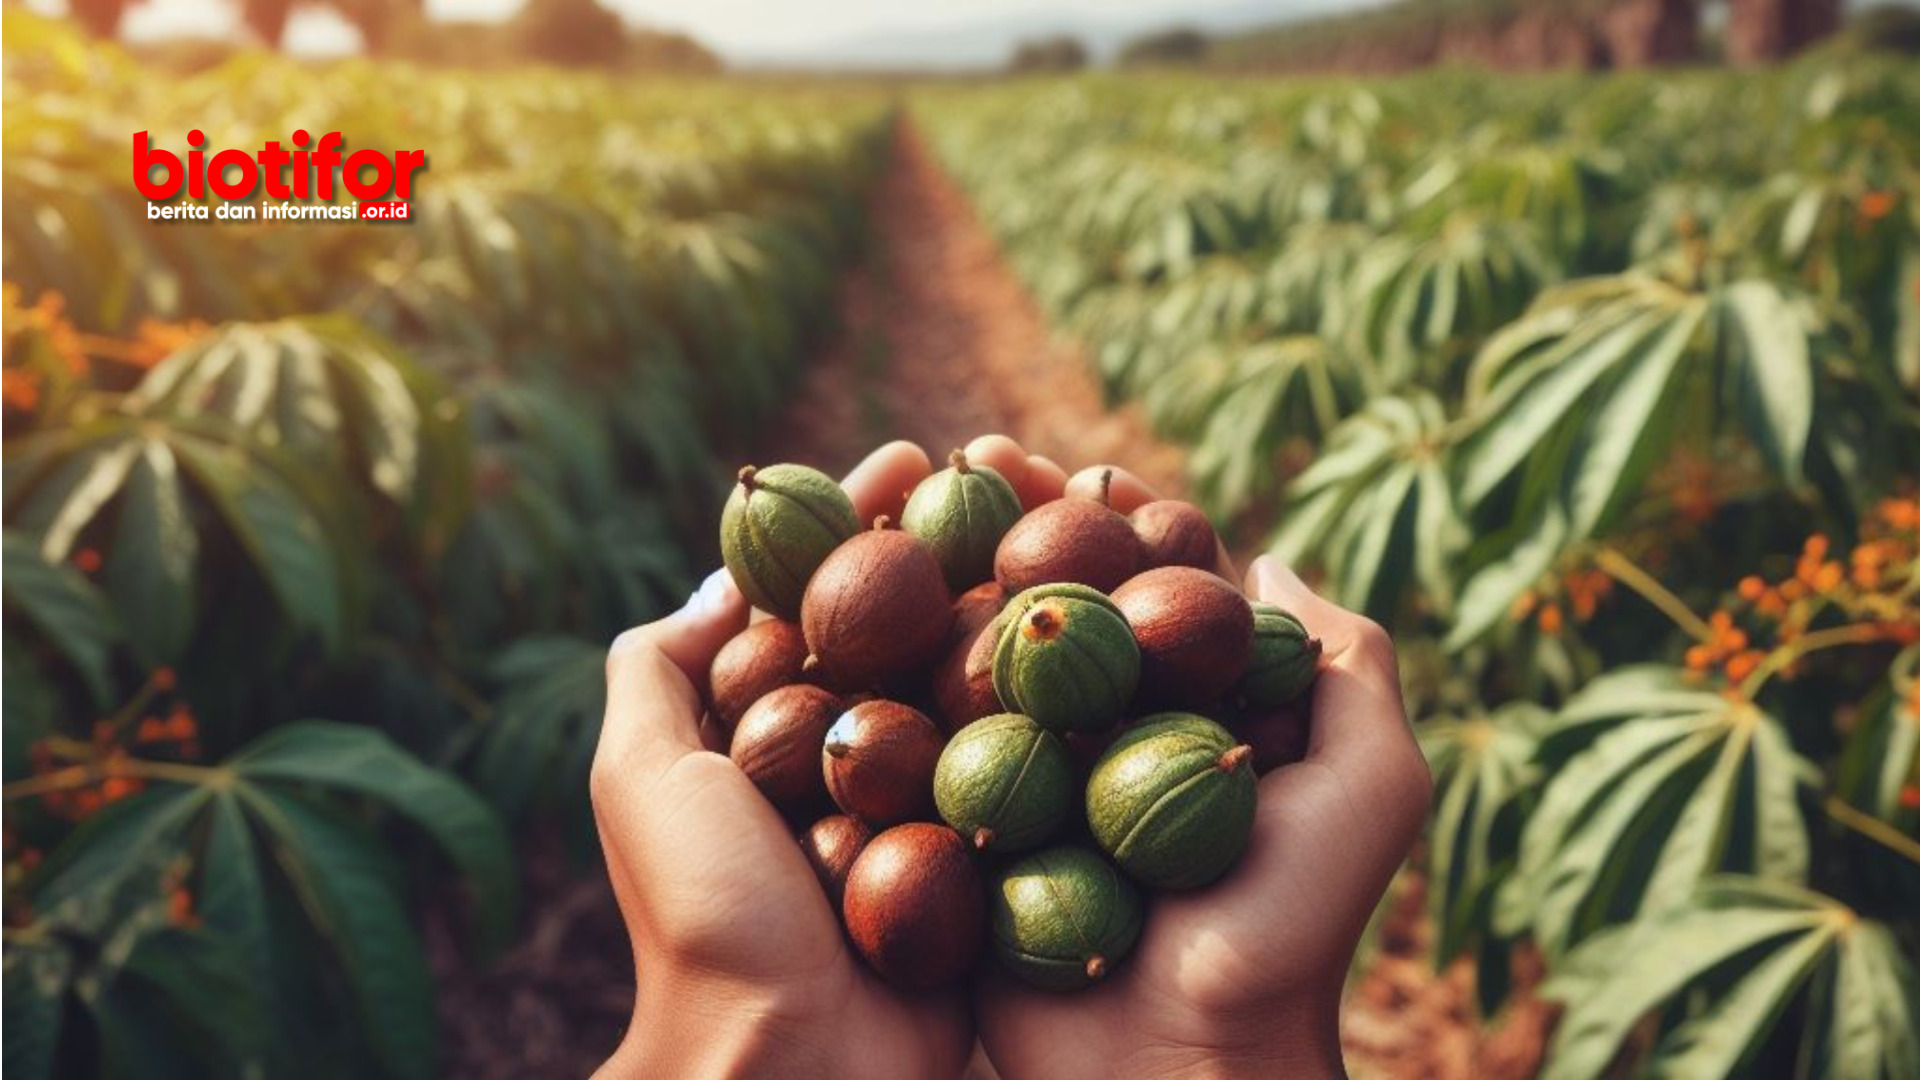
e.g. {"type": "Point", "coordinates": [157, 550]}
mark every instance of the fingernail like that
{"type": "Point", "coordinates": [1274, 578]}
{"type": "Point", "coordinates": [711, 596]}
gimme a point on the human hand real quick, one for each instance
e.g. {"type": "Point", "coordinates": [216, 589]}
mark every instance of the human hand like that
{"type": "Point", "coordinates": [740, 963]}
{"type": "Point", "coordinates": [1245, 977]}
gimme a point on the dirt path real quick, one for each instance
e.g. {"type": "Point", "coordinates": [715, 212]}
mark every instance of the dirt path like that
{"type": "Point", "coordinates": [937, 342]}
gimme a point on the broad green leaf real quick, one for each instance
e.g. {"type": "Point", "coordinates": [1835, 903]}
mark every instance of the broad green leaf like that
{"type": "Point", "coordinates": [66, 608]}
{"type": "Point", "coordinates": [1771, 336]}
{"type": "Point", "coordinates": [150, 567]}
{"type": "Point", "coordinates": [364, 762]}
{"type": "Point", "coordinates": [349, 897]}
{"type": "Point", "coordinates": [37, 976]}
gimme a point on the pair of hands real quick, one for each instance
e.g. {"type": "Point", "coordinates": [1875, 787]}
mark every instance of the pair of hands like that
{"type": "Point", "coordinates": [742, 969]}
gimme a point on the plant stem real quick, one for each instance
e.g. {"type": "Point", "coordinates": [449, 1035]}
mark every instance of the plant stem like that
{"type": "Point", "coordinates": [1873, 829]}
{"type": "Point", "coordinates": [74, 776]}
{"type": "Point", "coordinates": [1857, 634]}
{"type": "Point", "coordinates": [1624, 570]}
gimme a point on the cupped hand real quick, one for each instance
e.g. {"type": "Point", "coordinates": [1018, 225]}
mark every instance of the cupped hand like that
{"type": "Point", "coordinates": [1244, 978]}
{"type": "Point", "coordinates": [740, 963]}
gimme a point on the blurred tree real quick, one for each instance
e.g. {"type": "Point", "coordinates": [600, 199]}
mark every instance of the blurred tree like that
{"type": "Point", "coordinates": [571, 32]}
{"type": "Point", "coordinates": [1062, 53]}
{"type": "Point", "coordinates": [1181, 45]}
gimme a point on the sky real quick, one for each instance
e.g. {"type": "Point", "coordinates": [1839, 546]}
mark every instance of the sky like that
{"type": "Point", "coordinates": [735, 27]}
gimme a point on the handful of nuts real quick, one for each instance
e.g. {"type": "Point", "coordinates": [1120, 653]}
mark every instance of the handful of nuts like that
{"type": "Point", "coordinates": [993, 730]}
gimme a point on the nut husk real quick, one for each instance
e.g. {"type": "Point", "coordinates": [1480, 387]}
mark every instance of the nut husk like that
{"type": "Point", "coordinates": [1195, 633]}
{"type": "Point", "coordinates": [1005, 783]}
{"type": "Point", "coordinates": [915, 907]}
{"type": "Point", "coordinates": [1284, 662]}
{"type": "Point", "coordinates": [778, 526]}
{"type": "Point", "coordinates": [1066, 657]}
{"type": "Point", "coordinates": [1172, 800]}
{"type": "Point", "coordinates": [878, 608]}
{"type": "Point", "coordinates": [878, 761]}
{"type": "Point", "coordinates": [961, 513]}
{"type": "Point", "coordinates": [1063, 918]}
{"type": "Point", "coordinates": [777, 744]}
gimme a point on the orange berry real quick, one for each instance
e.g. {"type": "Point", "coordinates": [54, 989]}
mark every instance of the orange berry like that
{"type": "Point", "coordinates": [1752, 588]}
{"type": "Point", "coordinates": [1827, 578]}
{"type": "Point", "coordinates": [1699, 658]}
{"type": "Point", "coordinates": [1910, 797]}
{"type": "Point", "coordinates": [1816, 547]}
{"type": "Point", "coordinates": [1522, 606]}
{"type": "Point", "coordinates": [1551, 619]}
{"type": "Point", "coordinates": [163, 678]}
{"type": "Point", "coordinates": [87, 560]}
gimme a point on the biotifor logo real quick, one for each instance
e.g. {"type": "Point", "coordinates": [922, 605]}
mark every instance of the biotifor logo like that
{"type": "Point", "coordinates": [307, 171]}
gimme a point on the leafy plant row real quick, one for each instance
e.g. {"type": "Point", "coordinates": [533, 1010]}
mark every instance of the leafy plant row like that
{"type": "Point", "coordinates": [407, 479]}
{"type": "Point", "coordinates": [1604, 394]}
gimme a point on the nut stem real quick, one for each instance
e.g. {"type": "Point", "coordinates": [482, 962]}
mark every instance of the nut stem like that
{"type": "Point", "coordinates": [1106, 487]}
{"type": "Point", "coordinates": [1233, 758]}
{"type": "Point", "coordinates": [747, 473]}
{"type": "Point", "coordinates": [1096, 967]}
{"type": "Point", "coordinates": [837, 750]}
{"type": "Point", "coordinates": [982, 836]}
{"type": "Point", "coordinates": [958, 459]}
{"type": "Point", "coordinates": [881, 523]}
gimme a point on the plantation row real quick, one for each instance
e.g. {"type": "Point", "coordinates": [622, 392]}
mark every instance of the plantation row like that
{"type": "Point", "coordinates": [1604, 395]}
{"type": "Point", "coordinates": [405, 480]}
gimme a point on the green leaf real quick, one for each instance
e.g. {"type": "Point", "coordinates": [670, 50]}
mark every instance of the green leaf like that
{"type": "Point", "coordinates": [350, 898]}
{"type": "Point", "coordinates": [37, 979]}
{"type": "Point", "coordinates": [150, 566]}
{"type": "Point", "coordinates": [66, 608]}
{"type": "Point", "coordinates": [281, 538]}
{"type": "Point", "coordinates": [1770, 332]}
{"type": "Point", "coordinates": [1490, 594]}
{"type": "Point", "coordinates": [364, 762]}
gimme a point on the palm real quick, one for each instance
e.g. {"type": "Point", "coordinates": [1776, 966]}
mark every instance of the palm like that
{"type": "Point", "coordinates": [1261, 955]}
{"type": "Point", "coordinates": [743, 904]}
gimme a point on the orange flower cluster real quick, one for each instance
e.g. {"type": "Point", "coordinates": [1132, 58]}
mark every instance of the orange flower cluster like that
{"type": "Point", "coordinates": [180, 906]}
{"type": "Point", "coordinates": [1876, 205]}
{"type": "Point", "coordinates": [1691, 484]}
{"type": "Point", "coordinates": [178, 726]}
{"type": "Point", "coordinates": [1728, 649]}
{"type": "Point", "coordinates": [84, 801]}
{"type": "Point", "coordinates": [1580, 591]}
{"type": "Point", "coordinates": [154, 341]}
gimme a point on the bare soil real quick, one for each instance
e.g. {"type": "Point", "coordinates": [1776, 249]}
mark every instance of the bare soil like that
{"type": "Point", "coordinates": [937, 342]}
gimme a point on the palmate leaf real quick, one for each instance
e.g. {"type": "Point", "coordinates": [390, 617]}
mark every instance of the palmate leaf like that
{"type": "Point", "coordinates": [37, 981]}
{"type": "Point", "coordinates": [176, 487]}
{"type": "Point", "coordinates": [1881, 757]}
{"type": "Point", "coordinates": [276, 812]}
{"type": "Point", "coordinates": [66, 610]}
{"type": "Point", "coordinates": [1271, 392]}
{"type": "Point", "coordinates": [1678, 783]}
{"type": "Point", "coordinates": [320, 387]}
{"type": "Point", "coordinates": [1419, 296]}
{"type": "Point", "coordinates": [1728, 963]}
{"type": "Point", "coordinates": [1484, 770]}
{"type": "Point", "coordinates": [1377, 509]}
{"type": "Point", "coordinates": [536, 750]}
{"type": "Point", "coordinates": [1603, 362]}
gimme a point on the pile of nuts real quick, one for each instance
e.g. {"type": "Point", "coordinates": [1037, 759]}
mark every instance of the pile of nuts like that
{"type": "Point", "coordinates": [1022, 720]}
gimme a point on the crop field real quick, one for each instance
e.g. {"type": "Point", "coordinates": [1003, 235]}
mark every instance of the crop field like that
{"type": "Point", "coordinates": [1601, 393]}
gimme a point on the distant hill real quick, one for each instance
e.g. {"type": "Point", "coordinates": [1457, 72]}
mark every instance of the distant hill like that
{"type": "Point", "coordinates": [987, 43]}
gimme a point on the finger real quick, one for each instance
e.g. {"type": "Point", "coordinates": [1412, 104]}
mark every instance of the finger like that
{"type": "Point", "coordinates": [1046, 481]}
{"type": "Point", "coordinates": [881, 483]}
{"type": "Point", "coordinates": [1124, 492]}
{"type": "Point", "coordinates": [1011, 460]}
{"type": "Point", "coordinates": [1360, 728]}
{"type": "Point", "coordinates": [653, 672]}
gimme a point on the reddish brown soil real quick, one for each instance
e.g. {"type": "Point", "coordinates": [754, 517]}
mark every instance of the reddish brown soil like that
{"type": "Point", "coordinates": [937, 342]}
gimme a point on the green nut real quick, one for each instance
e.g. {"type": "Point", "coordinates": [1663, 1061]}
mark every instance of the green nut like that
{"type": "Point", "coordinates": [1004, 782]}
{"type": "Point", "coordinates": [1285, 660]}
{"type": "Point", "coordinates": [1062, 918]}
{"type": "Point", "coordinates": [779, 525]}
{"type": "Point", "coordinates": [961, 513]}
{"type": "Point", "coordinates": [1172, 800]}
{"type": "Point", "coordinates": [1067, 658]}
